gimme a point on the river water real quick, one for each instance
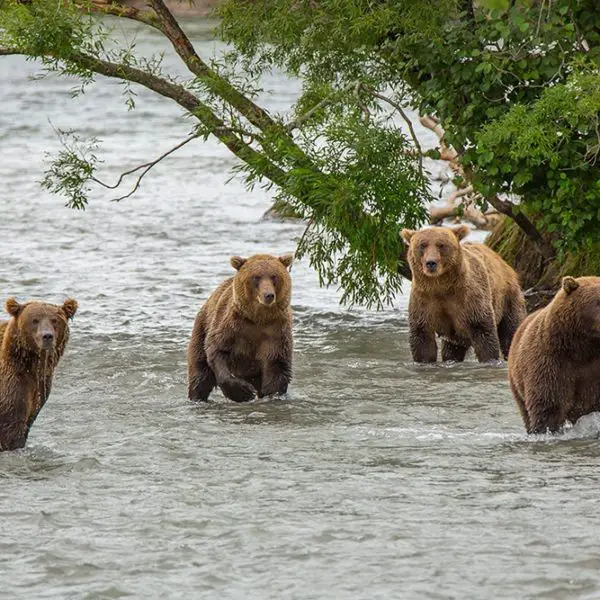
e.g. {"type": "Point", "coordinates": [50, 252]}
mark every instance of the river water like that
{"type": "Point", "coordinates": [376, 478]}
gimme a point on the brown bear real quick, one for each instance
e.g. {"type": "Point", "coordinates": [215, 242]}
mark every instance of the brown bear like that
{"type": "Point", "coordinates": [465, 293]}
{"type": "Point", "coordinates": [33, 341]}
{"type": "Point", "coordinates": [242, 336]}
{"type": "Point", "coordinates": [554, 361]}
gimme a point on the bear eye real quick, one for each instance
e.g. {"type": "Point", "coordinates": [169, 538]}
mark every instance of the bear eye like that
{"type": "Point", "coordinates": [54, 321]}
{"type": "Point", "coordinates": [442, 246]}
{"type": "Point", "coordinates": [256, 279]}
{"type": "Point", "coordinates": [422, 245]}
{"type": "Point", "coordinates": [274, 279]}
{"type": "Point", "coordinates": [36, 321]}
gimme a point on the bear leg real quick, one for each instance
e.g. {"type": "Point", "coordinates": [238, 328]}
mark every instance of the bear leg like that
{"type": "Point", "coordinates": [276, 377]}
{"type": "Point", "coordinates": [201, 379]}
{"type": "Point", "coordinates": [521, 405]}
{"type": "Point", "coordinates": [544, 416]}
{"type": "Point", "coordinates": [484, 338]}
{"type": "Point", "coordinates": [454, 352]}
{"type": "Point", "coordinates": [422, 343]}
{"type": "Point", "coordinates": [237, 389]}
{"type": "Point", "coordinates": [201, 382]}
{"type": "Point", "coordinates": [514, 313]}
{"type": "Point", "coordinates": [234, 388]}
{"type": "Point", "coordinates": [13, 436]}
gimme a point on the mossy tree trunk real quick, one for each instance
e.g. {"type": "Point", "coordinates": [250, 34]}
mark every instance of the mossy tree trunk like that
{"type": "Point", "coordinates": [540, 278]}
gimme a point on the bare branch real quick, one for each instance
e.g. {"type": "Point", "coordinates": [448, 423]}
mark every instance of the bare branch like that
{"type": "Point", "coordinates": [185, 99]}
{"type": "Point", "coordinates": [406, 120]}
{"type": "Point", "coordinates": [146, 167]}
{"type": "Point", "coordinates": [447, 153]}
{"type": "Point", "coordinates": [357, 87]}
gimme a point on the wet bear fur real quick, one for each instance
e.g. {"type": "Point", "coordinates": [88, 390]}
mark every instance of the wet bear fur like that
{"type": "Point", "coordinates": [464, 293]}
{"type": "Point", "coordinates": [242, 336]}
{"type": "Point", "coordinates": [554, 362]}
{"type": "Point", "coordinates": [32, 343]}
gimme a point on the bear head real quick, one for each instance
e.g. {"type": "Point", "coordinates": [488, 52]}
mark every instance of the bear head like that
{"type": "Point", "coordinates": [577, 305]}
{"type": "Point", "coordinates": [41, 327]}
{"type": "Point", "coordinates": [435, 250]}
{"type": "Point", "coordinates": [262, 282]}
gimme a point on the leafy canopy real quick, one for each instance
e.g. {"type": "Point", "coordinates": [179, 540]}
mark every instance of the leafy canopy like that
{"type": "Point", "coordinates": [348, 170]}
{"type": "Point", "coordinates": [514, 85]}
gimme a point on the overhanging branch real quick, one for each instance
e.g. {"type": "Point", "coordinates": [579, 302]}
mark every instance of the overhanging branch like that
{"type": "Point", "coordinates": [184, 98]}
{"type": "Point", "coordinates": [146, 167]}
{"type": "Point", "coordinates": [508, 209]}
{"type": "Point", "coordinates": [183, 46]}
{"type": "Point", "coordinates": [107, 7]}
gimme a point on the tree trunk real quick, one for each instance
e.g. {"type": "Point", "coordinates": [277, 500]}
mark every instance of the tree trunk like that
{"type": "Point", "coordinates": [540, 279]}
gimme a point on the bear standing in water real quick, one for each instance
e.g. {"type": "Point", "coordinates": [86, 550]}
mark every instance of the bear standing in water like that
{"type": "Point", "coordinates": [242, 336]}
{"type": "Point", "coordinates": [31, 344]}
{"type": "Point", "coordinates": [554, 362]}
{"type": "Point", "coordinates": [465, 293]}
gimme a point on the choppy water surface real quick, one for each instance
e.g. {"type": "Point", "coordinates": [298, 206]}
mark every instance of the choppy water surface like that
{"type": "Point", "coordinates": [376, 478]}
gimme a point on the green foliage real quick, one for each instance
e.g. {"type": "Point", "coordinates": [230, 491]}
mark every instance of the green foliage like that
{"type": "Point", "coordinates": [371, 185]}
{"type": "Point", "coordinates": [51, 32]}
{"type": "Point", "coordinates": [514, 85]}
{"type": "Point", "coordinates": [71, 172]}
{"type": "Point", "coordinates": [548, 152]}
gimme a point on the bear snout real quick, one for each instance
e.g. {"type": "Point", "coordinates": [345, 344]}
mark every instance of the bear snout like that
{"type": "Point", "coordinates": [45, 338]}
{"type": "Point", "coordinates": [431, 266]}
{"type": "Point", "coordinates": [48, 340]}
{"type": "Point", "coordinates": [266, 292]}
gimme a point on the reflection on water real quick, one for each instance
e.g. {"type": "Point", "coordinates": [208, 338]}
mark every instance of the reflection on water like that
{"type": "Point", "coordinates": [374, 477]}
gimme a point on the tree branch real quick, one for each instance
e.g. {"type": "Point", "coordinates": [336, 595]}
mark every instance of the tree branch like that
{"type": "Point", "coordinates": [183, 46]}
{"type": "Point", "coordinates": [507, 208]}
{"type": "Point", "coordinates": [450, 155]}
{"type": "Point", "coordinates": [108, 7]}
{"type": "Point", "coordinates": [185, 99]}
{"type": "Point", "coordinates": [406, 120]}
{"type": "Point", "coordinates": [146, 167]}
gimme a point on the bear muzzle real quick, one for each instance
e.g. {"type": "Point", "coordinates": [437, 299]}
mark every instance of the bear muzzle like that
{"type": "Point", "coordinates": [45, 339]}
{"type": "Point", "coordinates": [267, 298]}
{"type": "Point", "coordinates": [430, 267]}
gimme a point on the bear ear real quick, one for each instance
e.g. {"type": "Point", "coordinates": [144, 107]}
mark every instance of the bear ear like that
{"type": "Point", "coordinates": [70, 307]}
{"type": "Point", "coordinates": [13, 308]}
{"type": "Point", "coordinates": [569, 284]}
{"type": "Point", "coordinates": [461, 232]}
{"type": "Point", "coordinates": [406, 235]}
{"type": "Point", "coordinates": [286, 260]}
{"type": "Point", "coordinates": [237, 262]}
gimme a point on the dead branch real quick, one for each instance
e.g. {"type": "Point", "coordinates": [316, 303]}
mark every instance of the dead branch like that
{"type": "Point", "coordinates": [146, 167]}
{"type": "Point", "coordinates": [464, 210]}
{"type": "Point", "coordinates": [406, 120]}
{"type": "Point", "coordinates": [451, 156]}
{"type": "Point", "coordinates": [486, 221]}
{"type": "Point", "coordinates": [185, 99]}
{"type": "Point", "coordinates": [447, 153]}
